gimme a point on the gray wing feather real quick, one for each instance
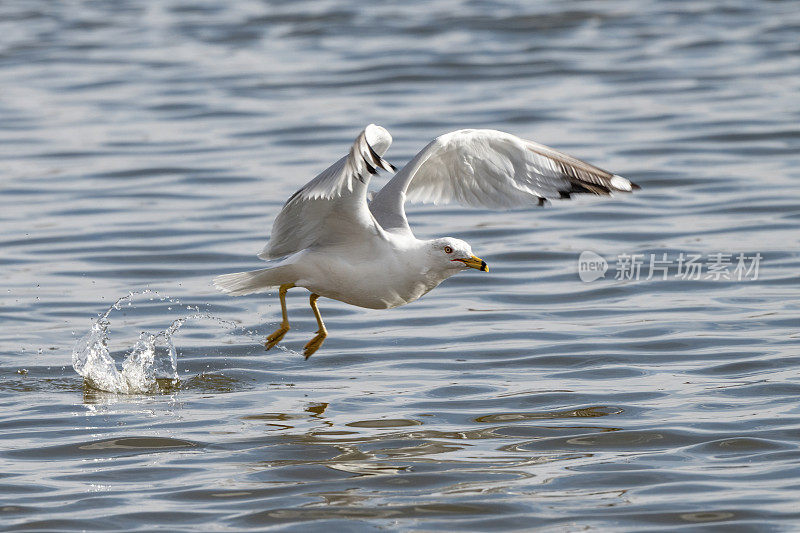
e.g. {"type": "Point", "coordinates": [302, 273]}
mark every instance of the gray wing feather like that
{"type": "Point", "coordinates": [491, 169]}
{"type": "Point", "coordinates": [339, 191]}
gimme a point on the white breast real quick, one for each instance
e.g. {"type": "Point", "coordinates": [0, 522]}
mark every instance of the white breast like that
{"type": "Point", "coordinates": [377, 275]}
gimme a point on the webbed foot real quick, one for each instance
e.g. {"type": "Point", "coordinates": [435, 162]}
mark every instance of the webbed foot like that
{"type": "Point", "coordinates": [276, 336]}
{"type": "Point", "coordinates": [314, 344]}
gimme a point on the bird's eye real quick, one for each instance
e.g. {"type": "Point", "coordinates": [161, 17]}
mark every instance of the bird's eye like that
{"type": "Point", "coordinates": [448, 250]}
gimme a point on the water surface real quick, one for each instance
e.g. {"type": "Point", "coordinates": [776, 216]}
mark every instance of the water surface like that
{"type": "Point", "coordinates": [149, 145]}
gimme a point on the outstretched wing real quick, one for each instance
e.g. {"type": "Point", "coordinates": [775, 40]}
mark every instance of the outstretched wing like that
{"type": "Point", "coordinates": [338, 192]}
{"type": "Point", "coordinates": [489, 168]}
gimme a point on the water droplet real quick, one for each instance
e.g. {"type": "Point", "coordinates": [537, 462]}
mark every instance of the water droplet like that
{"type": "Point", "coordinates": [151, 358]}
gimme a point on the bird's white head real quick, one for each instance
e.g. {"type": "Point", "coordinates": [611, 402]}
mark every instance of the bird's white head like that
{"type": "Point", "coordinates": [454, 254]}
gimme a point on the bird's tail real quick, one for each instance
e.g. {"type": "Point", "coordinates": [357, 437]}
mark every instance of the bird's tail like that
{"type": "Point", "coordinates": [241, 283]}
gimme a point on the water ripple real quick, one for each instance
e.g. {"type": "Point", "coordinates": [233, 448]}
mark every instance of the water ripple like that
{"type": "Point", "coordinates": [149, 145]}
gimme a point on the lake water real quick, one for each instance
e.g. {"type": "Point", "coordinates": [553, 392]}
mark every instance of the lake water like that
{"type": "Point", "coordinates": [148, 145]}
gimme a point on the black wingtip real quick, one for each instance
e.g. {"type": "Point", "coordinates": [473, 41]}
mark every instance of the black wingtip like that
{"type": "Point", "coordinates": [372, 152]}
{"type": "Point", "coordinates": [379, 161]}
{"type": "Point", "coordinates": [635, 187]}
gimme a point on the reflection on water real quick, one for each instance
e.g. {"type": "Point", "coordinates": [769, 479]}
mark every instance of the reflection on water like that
{"type": "Point", "coordinates": [577, 413]}
{"type": "Point", "coordinates": [149, 145]}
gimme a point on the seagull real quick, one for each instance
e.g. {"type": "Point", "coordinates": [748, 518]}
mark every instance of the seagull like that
{"type": "Point", "coordinates": [331, 239]}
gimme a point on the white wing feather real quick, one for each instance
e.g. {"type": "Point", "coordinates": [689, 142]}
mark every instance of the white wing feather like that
{"type": "Point", "coordinates": [488, 168]}
{"type": "Point", "coordinates": [340, 192]}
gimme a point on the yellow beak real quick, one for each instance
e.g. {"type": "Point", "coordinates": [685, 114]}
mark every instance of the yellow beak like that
{"type": "Point", "coordinates": [475, 262]}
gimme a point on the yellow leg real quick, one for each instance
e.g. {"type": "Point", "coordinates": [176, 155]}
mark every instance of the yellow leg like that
{"type": "Point", "coordinates": [278, 334]}
{"type": "Point", "coordinates": [317, 341]}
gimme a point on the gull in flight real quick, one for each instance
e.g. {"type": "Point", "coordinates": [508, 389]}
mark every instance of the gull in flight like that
{"type": "Point", "coordinates": [332, 240]}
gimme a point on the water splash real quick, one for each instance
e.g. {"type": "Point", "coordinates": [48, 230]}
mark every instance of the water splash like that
{"type": "Point", "coordinates": [151, 365]}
